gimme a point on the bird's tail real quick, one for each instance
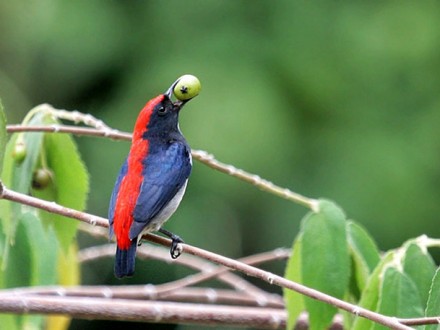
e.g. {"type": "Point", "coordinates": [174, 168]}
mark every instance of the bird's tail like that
{"type": "Point", "coordinates": [125, 260]}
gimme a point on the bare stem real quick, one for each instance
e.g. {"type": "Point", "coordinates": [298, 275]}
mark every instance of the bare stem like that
{"type": "Point", "coordinates": [74, 116]}
{"type": "Point", "coordinates": [200, 155]}
{"type": "Point", "coordinates": [145, 311]}
{"type": "Point", "coordinates": [218, 259]}
{"type": "Point", "coordinates": [208, 271]}
{"type": "Point", "coordinates": [142, 292]}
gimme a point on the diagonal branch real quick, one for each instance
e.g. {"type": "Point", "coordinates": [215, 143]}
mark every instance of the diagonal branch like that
{"type": "Point", "coordinates": [230, 263]}
{"type": "Point", "coordinates": [208, 271]}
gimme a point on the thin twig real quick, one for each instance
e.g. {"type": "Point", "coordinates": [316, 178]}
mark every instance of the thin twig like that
{"type": "Point", "coordinates": [261, 297]}
{"type": "Point", "coordinates": [233, 264]}
{"type": "Point", "coordinates": [73, 116]}
{"type": "Point", "coordinates": [200, 155]}
{"type": "Point", "coordinates": [77, 130]}
{"type": "Point", "coordinates": [421, 320]}
{"type": "Point", "coordinates": [265, 185]}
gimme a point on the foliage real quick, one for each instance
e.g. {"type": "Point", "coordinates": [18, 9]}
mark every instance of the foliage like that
{"type": "Point", "coordinates": [39, 240]}
{"type": "Point", "coordinates": [335, 99]}
{"type": "Point", "coordinates": [330, 254]}
{"type": "Point", "coordinates": [401, 282]}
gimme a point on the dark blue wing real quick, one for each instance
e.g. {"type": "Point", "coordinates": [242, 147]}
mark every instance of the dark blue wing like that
{"type": "Point", "coordinates": [111, 209]}
{"type": "Point", "coordinates": [165, 172]}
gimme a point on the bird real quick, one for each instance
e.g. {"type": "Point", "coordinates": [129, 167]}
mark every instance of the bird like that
{"type": "Point", "coordinates": [153, 178]}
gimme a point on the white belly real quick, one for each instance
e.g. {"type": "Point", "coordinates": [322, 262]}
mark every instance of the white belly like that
{"type": "Point", "coordinates": [167, 211]}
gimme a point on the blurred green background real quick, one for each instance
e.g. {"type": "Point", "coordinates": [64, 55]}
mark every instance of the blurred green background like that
{"type": "Point", "coordinates": [332, 99]}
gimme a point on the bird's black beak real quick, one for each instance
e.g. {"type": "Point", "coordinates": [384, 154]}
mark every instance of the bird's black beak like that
{"type": "Point", "coordinates": [170, 92]}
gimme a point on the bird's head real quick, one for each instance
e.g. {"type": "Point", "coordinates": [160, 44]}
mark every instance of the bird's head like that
{"type": "Point", "coordinates": [160, 115]}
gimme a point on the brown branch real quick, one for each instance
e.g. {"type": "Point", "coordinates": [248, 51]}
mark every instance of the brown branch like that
{"type": "Point", "coordinates": [261, 297]}
{"type": "Point", "coordinates": [143, 292]}
{"type": "Point", "coordinates": [421, 320]}
{"type": "Point", "coordinates": [145, 311]}
{"type": "Point", "coordinates": [200, 155]}
{"type": "Point", "coordinates": [230, 263]}
{"type": "Point", "coordinates": [77, 130]}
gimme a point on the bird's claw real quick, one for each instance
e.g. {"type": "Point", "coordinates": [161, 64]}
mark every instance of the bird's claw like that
{"type": "Point", "coordinates": [176, 248]}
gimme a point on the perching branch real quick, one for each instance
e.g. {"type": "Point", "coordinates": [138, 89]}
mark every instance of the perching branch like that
{"type": "Point", "coordinates": [218, 259]}
{"type": "Point", "coordinates": [208, 271]}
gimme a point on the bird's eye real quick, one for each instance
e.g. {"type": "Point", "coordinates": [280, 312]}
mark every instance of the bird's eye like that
{"type": "Point", "coordinates": [162, 110]}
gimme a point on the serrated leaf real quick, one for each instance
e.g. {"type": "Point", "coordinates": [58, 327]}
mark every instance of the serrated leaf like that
{"type": "Point", "coordinates": [433, 306]}
{"type": "Point", "coordinates": [370, 294]}
{"type": "Point", "coordinates": [70, 186]}
{"type": "Point", "coordinates": [364, 252]}
{"type": "Point", "coordinates": [420, 267]}
{"type": "Point", "coordinates": [3, 135]}
{"type": "Point", "coordinates": [325, 262]}
{"type": "Point", "coordinates": [5, 206]}
{"type": "Point", "coordinates": [294, 301]}
{"type": "Point", "coordinates": [399, 296]}
{"type": "Point", "coordinates": [18, 177]}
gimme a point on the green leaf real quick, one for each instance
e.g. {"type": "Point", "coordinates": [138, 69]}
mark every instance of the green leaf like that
{"type": "Point", "coordinates": [3, 135]}
{"type": "Point", "coordinates": [370, 294]}
{"type": "Point", "coordinates": [32, 261]}
{"type": "Point", "coordinates": [420, 267]}
{"type": "Point", "coordinates": [399, 296]}
{"type": "Point", "coordinates": [294, 301]}
{"type": "Point", "coordinates": [364, 252]}
{"type": "Point", "coordinates": [8, 321]}
{"type": "Point", "coordinates": [325, 262]}
{"type": "Point", "coordinates": [43, 250]}
{"type": "Point", "coordinates": [70, 186]}
{"type": "Point", "coordinates": [17, 268]}
{"type": "Point", "coordinates": [433, 306]}
{"type": "Point", "coordinates": [18, 176]}
{"type": "Point", "coordinates": [5, 206]}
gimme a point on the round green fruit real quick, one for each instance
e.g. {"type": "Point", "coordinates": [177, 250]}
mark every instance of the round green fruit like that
{"type": "Point", "coordinates": [187, 87]}
{"type": "Point", "coordinates": [42, 178]}
{"type": "Point", "coordinates": [19, 152]}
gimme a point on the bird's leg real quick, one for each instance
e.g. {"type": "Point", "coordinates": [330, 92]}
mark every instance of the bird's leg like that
{"type": "Point", "coordinates": [175, 249]}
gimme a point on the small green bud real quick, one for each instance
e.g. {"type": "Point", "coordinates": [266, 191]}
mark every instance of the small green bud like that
{"type": "Point", "coordinates": [187, 87]}
{"type": "Point", "coordinates": [19, 152]}
{"type": "Point", "coordinates": [42, 178]}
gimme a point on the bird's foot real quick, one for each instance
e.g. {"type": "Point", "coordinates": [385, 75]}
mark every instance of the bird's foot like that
{"type": "Point", "coordinates": [176, 248]}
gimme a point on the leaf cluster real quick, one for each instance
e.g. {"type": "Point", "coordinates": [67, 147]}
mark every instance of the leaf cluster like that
{"type": "Point", "coordinates": [39, 248]}
{"type": "Point", "coordinates": [337, 256]}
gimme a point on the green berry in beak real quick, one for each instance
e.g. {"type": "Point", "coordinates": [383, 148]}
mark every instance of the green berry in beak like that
{"type": "Point", "coordinates": [187, 87]}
